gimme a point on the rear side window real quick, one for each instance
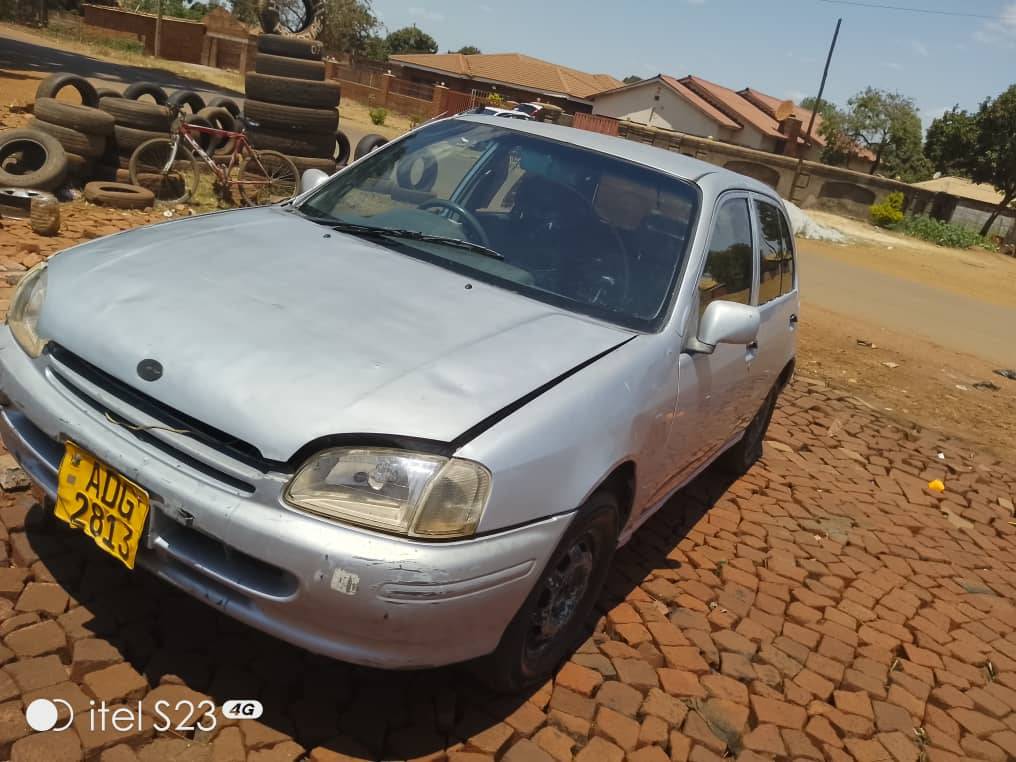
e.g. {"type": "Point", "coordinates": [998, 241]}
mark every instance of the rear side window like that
{"type": "Point", "coordinates": [728, 271]}
{"type": "Point", "coordinates": [773, 251]}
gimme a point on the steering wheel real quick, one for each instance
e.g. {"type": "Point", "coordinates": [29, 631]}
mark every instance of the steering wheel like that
{"type": "Point", "coordinates": [468, 218]}
{"type": "Point", "coordinates": [620, 273]}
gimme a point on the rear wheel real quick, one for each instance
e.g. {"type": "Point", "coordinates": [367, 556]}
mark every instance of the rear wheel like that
{"type": "Point", "coordinates": [552, 620]}
{"type": "Point", "coordinates": [171, 182]}
{"type": "Point", "coordinates": [268, 177]}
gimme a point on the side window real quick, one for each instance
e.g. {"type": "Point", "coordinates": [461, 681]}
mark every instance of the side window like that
{"type": "Point", "coordinates": [789, 261]}
{"type": "Point", "coordinates": [772, 251]}
{"type": "Point", "coordinates": [728, 271]}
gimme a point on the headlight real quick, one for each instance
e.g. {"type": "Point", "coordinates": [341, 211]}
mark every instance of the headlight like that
{"type": "Point", "coordinates": [26, 306]}
{"type": "Point", "coordinates": [396, 491]}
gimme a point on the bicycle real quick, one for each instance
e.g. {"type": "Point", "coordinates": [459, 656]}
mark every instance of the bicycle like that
{"type": "Point", "coordinates": [169, 167]}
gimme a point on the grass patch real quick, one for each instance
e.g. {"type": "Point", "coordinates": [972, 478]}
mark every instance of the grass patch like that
{"type": "Point", "coordinates": [942, 233]}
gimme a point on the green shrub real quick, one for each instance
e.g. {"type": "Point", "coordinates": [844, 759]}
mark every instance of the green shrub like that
{"type": "Point", "coordinates": [889, 212]}
{"type": "Point", "coordinates": [495, 99]}
{"type": "Point", "coordinates": [942, 233]}
{"type": "Point", "coordinates": [378, 115]}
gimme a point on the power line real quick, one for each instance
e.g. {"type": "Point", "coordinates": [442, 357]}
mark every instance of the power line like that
{"type": "Point", "coordinates": [907, 9]}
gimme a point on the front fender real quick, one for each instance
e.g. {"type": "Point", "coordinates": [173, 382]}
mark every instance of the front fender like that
{"type": "Point", "coordinates": [550, 455]}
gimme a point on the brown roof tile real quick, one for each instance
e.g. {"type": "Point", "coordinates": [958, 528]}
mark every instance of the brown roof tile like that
{"type": "Point", "coordinates": [516, 70]}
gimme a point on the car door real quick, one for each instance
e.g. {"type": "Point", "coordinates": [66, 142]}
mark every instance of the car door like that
{"type": "Point", "coordinates": [777, 298]}
{"type": "Point", "coordinates": [715, 398]}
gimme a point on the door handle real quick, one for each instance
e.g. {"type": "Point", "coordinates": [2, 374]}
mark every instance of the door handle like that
{"type": "Point", "coordinates": [793, 318]}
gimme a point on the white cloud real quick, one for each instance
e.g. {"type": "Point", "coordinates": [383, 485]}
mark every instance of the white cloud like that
{"type": "Point", "coordinates": [893, 65]}
{"type": "Point", "coordinates": [426, 14]}
{"type": "Point", "coordinates": [1002, 31]}
{"type": "Point", "coordinates": [919, 47]}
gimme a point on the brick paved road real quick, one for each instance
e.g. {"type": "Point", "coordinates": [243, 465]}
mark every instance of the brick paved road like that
{"type": "Point", "coordinates": [827, 607]}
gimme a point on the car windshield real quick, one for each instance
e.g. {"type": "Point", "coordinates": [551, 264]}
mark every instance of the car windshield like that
{"type": "Point", "coordinates": [572, 227]}
{"type": "Point", "coordinates": [527, 108]}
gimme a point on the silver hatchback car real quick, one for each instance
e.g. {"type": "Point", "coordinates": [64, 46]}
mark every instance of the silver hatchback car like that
{"type": "Point", "coordinates": [405, 419]}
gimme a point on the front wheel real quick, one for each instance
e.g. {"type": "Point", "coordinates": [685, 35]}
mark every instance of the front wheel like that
{"type": "Point", "coordinates": [551, 621]}
{"type": "Point", "coordinates": [173, 178]}
{"type": "Point", "coordinates": [268, 177]}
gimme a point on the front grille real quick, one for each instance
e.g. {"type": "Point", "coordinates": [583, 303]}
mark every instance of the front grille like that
{"type": "Point", "coordinates": [168, 417]}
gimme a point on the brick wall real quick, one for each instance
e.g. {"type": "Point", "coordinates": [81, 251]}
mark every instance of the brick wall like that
{"type": "Point", "coordinates": [181, 40]}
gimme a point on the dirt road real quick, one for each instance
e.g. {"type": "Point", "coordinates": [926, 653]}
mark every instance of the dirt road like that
{"type": "Point", "coordinates": [956, 321]}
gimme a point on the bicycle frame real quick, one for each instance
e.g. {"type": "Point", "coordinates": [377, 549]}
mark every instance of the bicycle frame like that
{"type": "Point", "coordinates": [222, 171]}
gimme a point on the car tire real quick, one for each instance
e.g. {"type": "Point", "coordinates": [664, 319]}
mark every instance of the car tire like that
{"type": "Point", "coordinates": [220, 119]}
{"type": "Point", "coordinates": [73, 141]}
{"type": "Point", "coordinates": [187, 98]}
{"type": "Point", "coordinates": [138, 115]}
{"type": "Point", "coordinates": [79, 167]}
{"type": "Point", "coordinates": [292, 92]}
{"type": "Point", "coordinates": [119, 195]}
{"type": "Point", "coordinates": [71, 115]}
{"type": "Point", "coordinates": [128, 138]}
{"type": "Point", "coordinates": [221, 101]}
{"type": "Point", "coordinates": [45, 151]}
{"type": "Point", "coordinates": [53, 84]}
{"type": "Point", "coordinates": [342, 148]}
{"type": "Point", "coordinates": [367, 144]}
{"type": "Point", "coordinates": [314, 146]}
{"type": "Point", "coordinates": [290, 47]}
{"type": "Point", "coordinates": [137, 90]}
{"type": "Point", "coordinates": [293, 68]}
{"type": "Point", "coordinates": [274, 116]}
{"type": "Point", "coordinates": [738, 459]}
{"type": "Point", "coordinates": [303, 163]}
{"type": "Point", "coordinates": [527, 654]}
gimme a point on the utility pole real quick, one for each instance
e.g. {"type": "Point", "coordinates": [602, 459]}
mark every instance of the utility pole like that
{"type": "Point", "coordinates": [157, 47]}
{"type": "Point", "coordinates": [814, 110]}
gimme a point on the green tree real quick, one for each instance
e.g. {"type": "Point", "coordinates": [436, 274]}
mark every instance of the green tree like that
{"type": "Point", "coordinates": [950, 142]}
{"type": "Point", "coordinates": [375, 48]}
{"type": "Point", "coordinates": [993, 159]}
{"type": "Point", "coordinates": [631, 79]}
{"type": "Point", "coordinates": [245, 11]}
{"type": "Point", "coordinates": [410, 39]}
{"type": "Point", "coordinates": [467, 50]}
{"type": "Point", "coordinates": [838, 147]}
{"type": "Point", "coordinates": [887, 123]}
{"type": "Point", "coordinates": [349, 26]}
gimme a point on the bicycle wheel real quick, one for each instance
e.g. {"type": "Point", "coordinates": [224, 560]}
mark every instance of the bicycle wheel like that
{"type": "Point", "coordinates": [171, 182]}
{"type": "Point", "coordinates": [267, 177]}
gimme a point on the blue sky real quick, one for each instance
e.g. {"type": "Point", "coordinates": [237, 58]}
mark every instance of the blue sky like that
{"type": "Point", "coordinates": [777, 46]}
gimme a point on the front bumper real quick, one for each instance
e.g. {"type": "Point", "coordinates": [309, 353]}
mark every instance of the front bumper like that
{"type": "Point", "coordinates": [219, 530]}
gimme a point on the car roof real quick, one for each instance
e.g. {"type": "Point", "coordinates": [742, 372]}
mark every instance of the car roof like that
{"type": "Point", "coordinates": [671, 162]}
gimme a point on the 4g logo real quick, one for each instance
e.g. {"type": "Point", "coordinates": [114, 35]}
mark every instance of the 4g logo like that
{"type": "Point", "coordinates": [242, 709]}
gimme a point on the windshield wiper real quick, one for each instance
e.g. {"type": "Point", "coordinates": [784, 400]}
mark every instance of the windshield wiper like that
{"type": "Point", "coordinates": [371, 231]}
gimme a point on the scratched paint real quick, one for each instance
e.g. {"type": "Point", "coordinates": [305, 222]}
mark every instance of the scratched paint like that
{"type": "Point", "coordinates": [345, 582]}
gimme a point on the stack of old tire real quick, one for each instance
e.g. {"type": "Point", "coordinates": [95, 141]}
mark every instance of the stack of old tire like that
{"type": "Point", "coordinates": [82, 129]}
{"type": "Point", "coordinates": [138, 120]}
{"type": "Point", "coordinates": [291, 107]}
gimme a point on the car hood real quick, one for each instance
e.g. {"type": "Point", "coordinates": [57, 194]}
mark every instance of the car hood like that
{"type": "Point", "coordinates": [278, 331]}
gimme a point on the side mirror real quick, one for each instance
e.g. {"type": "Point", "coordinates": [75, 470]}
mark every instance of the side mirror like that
{"type": "Point", "coordinates": [726, 323]}
{"type": "Point", "coordinates": [312, 178]}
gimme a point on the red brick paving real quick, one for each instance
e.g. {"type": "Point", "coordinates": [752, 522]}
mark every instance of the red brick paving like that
{"type": "Point", "coordinates": [826, 606]}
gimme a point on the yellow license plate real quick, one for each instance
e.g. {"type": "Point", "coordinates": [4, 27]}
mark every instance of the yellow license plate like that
{"type": "Point", "coordinates": [102, 503]}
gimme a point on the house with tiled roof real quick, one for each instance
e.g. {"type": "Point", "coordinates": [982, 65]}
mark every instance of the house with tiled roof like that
{"type": "Point", "coordinates": [696, 106]}
{"type": "Point", "coordinates": [514, 76]}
